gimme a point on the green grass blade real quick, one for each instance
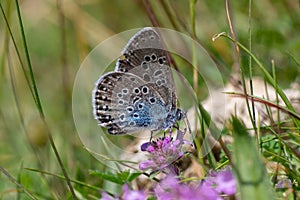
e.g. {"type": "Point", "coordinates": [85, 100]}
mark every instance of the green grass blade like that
{"type": "Point", "coordinates": [13, 180]}
{"type": "Point", "coordinates": [268, 76]}
{"type": "Point", "coordinates": [17, 50]}
{"type": "Point", "coordinates": [64, 178]}
{"type": "Point", "coordinates": [38, 102]}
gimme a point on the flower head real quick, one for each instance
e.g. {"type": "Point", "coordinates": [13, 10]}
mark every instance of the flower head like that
{"type": "Point", "coordinates": [133, 194]}
{"type": "Point", "coordinates": [127, 194]}
{"type": "Point", "coordinates": [284, 183]}
{"type": "Point", "coordinates": [170, 188]}
{"type": "Point", "coordinates": [223, 181]}
{"type": "Point", "coordinates": [106, 196]}
{"type": "Point", "coordinates": [213, 187]}
{"type": "Point", "coordinates": [162, 152]}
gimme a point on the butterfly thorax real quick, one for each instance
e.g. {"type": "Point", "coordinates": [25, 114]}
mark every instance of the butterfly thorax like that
{"type": "Point", "coordinates": [165, 119]}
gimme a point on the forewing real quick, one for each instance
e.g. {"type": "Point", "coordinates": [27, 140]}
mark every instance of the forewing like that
{"type": "Point", "coordinates": [145, 57]}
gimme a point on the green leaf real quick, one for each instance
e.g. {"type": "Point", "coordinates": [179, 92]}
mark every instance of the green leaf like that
{"type": "Point", "coordinates": [253, 181]}
{"type": "Point", "coordinates": [108, 176]}
{"type": "Point", "coordinates": [133, 176]}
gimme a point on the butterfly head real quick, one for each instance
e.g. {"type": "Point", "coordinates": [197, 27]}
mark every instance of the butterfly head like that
{"type": "Point", "coordinates": [180, 114]}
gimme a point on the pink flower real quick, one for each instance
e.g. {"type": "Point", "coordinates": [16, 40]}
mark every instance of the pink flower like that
{"type": "Point", "coordinates": [170, 188]}
{"type": "Point", "coordinates": [133, 194]}
{"type": "Point", "coordinates": [128, 194]}
{"type": "Point", "coordinates": [223, 181]}
{"type": "Point", "coordinates": [163, 152]}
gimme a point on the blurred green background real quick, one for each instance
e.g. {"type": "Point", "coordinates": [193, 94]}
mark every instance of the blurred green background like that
{"type": "Point", "coordinates": [61, 33]}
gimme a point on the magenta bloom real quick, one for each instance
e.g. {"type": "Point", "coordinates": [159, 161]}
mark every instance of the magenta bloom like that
{"type": "Point", "coordinates": [223, 181]}
{"type": "Point", "coordinates": [133, 194]}
{"type": "Point", "coordinates": [170, 188]}
{"type": "Point", "coordinates": [127, 195]}
{"type": "Point", "coordinates": [163, 152]}
{"type": "Point", "coordinates": [284, 183]}
{"type": "Point", "coordinates": [105, 196]}
{"type": "Point", "coordinates": [213, 187]}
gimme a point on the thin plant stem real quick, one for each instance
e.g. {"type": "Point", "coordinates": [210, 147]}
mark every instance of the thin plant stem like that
{"type": "Point", "coordinates": [169, 13]}
{"type": "Point", "coordinates": [238, 59]}
{"type": "Point", "coordinates": [151, 14]}
{"type": "Point", "coordinates": [194, 58]}
{"type": "Point", "coordinates": [277, 99]}
{"type": "Point", "coordinates": [17, 51]}
{"type": "Point", "coordinates": [250, 63]}
{"type": "Point", "coordinates": [14, 91]}
{"type": "Point", "coordinates": [39, 105]}
{"type": "Point", "coordinates": [63, 58]}
{"type": "Point", "coordinates": [35, 90]}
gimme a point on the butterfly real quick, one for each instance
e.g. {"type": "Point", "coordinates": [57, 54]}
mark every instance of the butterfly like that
{"type": "Point", "coordinates": [140, 93]}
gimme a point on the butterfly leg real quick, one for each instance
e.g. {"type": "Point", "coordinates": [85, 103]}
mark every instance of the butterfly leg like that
{"type": "Point", "coordinates": [151, 136]}
{"type": "Point", "coordinates": [176, 126]}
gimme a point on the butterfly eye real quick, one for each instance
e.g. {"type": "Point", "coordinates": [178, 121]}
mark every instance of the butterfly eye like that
{"type": "Point", "coordinates": [180, 114]}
